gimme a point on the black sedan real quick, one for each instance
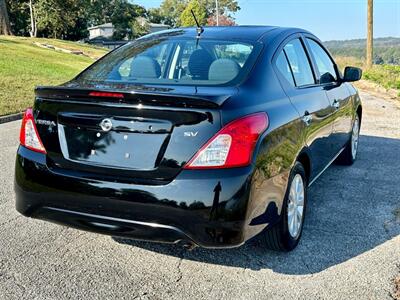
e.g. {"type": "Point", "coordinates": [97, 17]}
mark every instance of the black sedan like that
{"type": "Point", "coordinates": [202, 138]}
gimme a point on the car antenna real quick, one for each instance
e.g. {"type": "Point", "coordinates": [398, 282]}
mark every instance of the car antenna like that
{"type": "Point", "coordinates": [200, 28]}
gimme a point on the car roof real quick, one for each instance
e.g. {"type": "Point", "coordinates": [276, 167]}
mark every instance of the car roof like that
{"type": "Point", "coordinates": [245, 32]}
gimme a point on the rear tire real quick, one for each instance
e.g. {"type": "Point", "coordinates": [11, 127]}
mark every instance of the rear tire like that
{"type": "Point", "coordinates": [285, 235]}
{"type": "Point", "coordinates": [349, 154]}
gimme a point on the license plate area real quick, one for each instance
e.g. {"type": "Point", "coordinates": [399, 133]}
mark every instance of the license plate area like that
{"type": "Point", "coordinates": [114, 149]}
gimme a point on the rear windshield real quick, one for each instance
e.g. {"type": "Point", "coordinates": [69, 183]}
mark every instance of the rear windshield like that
{"type": "Point", "coordinates": [180, 61]}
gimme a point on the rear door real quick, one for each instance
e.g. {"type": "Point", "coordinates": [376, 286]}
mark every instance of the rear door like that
{"type": "Point", "coordinates": [309, 99]}
{"type": "Point", "coordinates": [337, 93]}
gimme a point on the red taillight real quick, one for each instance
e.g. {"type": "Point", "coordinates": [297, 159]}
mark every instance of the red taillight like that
{"type": "Point", "coordinates": [232, 146]}
{"type": "Point", "coordinates": [29, 136]}
{"type": "Point", "coordinates": [106, 95]}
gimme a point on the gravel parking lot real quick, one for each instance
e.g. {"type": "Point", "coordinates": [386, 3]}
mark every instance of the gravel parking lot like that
{"type": "Point", "coordinates": [350, 247]}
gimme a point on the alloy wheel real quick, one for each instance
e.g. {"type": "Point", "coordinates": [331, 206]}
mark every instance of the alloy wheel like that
{"type": "Point", "coordinates": [295, 209]}
{"type": "Point", "coordinates": [354, 138]}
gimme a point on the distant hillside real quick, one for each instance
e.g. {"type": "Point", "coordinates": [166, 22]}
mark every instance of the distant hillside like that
{"type": "Point", "coordinates": [387, 50]}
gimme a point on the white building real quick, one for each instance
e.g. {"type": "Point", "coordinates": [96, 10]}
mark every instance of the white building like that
{"type": "Point", "coordinates": [104, 30]}
{"type": "Point", "coordinates": [102, 35]}
{"type": "Point", "coordinates": [152, 27]}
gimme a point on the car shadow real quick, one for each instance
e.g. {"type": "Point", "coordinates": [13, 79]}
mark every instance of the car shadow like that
{"type": "Point", "coordinates": [351, 210]}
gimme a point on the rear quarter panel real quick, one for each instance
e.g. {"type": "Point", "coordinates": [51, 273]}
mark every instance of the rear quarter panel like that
{"type": "Point", "coordinates": [277, 149]}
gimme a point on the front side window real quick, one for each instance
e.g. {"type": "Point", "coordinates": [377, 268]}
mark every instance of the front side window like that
{"type": "Point", "coordinates": [181, 61]}
{"type": "Point", "coordinates": [299, 63]}
{"type": "Point", "coordinates": [324, 63]}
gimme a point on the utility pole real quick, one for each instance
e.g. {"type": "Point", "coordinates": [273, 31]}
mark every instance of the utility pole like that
{"type": "Point", "coordinates": [370, 34]}
{"type": "Point", "coordinates": [217, 11]}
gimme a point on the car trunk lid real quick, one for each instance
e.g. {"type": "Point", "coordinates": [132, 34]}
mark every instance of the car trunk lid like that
{"type": "Point", "coordinates": [140, 135]}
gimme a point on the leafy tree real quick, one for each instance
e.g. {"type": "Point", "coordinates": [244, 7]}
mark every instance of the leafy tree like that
{"type": "Point", "coordinates": [199, 10]}
{"type": "Point", "coordinates": [222, 19]}
{"type": "Point", "coordinates": [123, 18]}
{"type": "Point", "coordinates": [226, 7]}
{"type": "Point", "coordinates": [100, 11]}
{"type": "Point", "coordinates": [5, 27]}
{"type": "Point", "coordinates": [378, 60]}
{"type": "Point", "coordinates": [69, 19]}
{"type": "Point", "coordinates": [65, 19]}
{"type": "Point", "coordinates": [155, 16]}
{"type": "Point", "coordinates": [19, 16]}
{"type": "Point", "coordinates": [138, 28]}
{"type": "Point", "coordinates": [171, 11]}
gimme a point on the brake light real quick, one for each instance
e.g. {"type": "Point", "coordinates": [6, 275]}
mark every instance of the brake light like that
{"type": "Point", "coordinates": [232, 146]}
{"type": "Point", "coordinates": [106, 95]}
{"type": "Point", "coordinates": [29, 136]}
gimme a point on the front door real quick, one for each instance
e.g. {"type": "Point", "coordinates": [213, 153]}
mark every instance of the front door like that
{"type": "Point", "coordinates": [310, 100]}
{"type": "Point", "coordinates": [337, 93]}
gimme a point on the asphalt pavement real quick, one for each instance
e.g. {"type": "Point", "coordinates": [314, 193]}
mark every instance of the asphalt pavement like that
{"type": "Point", "coordinates": [350, 247]}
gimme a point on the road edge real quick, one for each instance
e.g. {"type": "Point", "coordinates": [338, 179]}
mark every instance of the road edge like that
{"type": "Point", "coordinates": [377, 90]}
{"type": "Point", "coordinates": [10, 118]}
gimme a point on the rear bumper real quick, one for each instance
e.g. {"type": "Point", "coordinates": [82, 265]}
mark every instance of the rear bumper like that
{"type": "Point", "coordinates": [114, 226]}
{"type": "Point", "coordinates": [206, 208]}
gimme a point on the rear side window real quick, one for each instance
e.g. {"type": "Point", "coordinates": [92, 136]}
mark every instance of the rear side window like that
{"type": "Point", "coordinates": [299, 63]}
{"type": "Point", "coordinates": [284, 68]}
{"type": "Point", "coordinates": [324, 63]}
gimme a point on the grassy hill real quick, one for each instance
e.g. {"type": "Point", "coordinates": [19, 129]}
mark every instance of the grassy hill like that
{"type": "Point", "coordinates": [24, 65]}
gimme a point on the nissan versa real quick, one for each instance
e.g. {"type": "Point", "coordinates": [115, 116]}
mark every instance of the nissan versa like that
{"type": "Point", "coordinates": [201, 137]}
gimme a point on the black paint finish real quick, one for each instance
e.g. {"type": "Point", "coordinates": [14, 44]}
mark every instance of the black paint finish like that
{"type": "Point", "coordinates": [134, 184]}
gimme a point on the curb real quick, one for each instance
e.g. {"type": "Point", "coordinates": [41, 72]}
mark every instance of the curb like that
{"type": "Point", "coordinates": [10, 118]}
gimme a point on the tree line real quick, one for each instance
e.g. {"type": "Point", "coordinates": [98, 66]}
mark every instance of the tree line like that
{"type": "Point", "coordinates": [70, 19]}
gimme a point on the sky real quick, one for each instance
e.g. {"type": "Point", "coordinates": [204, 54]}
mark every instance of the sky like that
{"type": "Point", "coordinates": [328, 19]}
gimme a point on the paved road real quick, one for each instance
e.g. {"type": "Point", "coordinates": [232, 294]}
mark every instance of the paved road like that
{"type": "Point", "coordinates": [350, 247]}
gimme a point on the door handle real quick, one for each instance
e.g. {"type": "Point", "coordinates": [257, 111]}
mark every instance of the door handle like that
{"type": "Point", "coordinates": [307, 118]}
{"type": "Point", "coordinates": [336, 104]}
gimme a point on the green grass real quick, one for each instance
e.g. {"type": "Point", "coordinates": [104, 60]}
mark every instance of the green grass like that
{"type": "Point", "coordinates": [24, 66]}
{"type": "Point", "coordinates": [387, 76]}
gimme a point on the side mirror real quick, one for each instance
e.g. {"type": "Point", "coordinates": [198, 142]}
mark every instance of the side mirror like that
{"type": "Point", "coordinates": [352, 74]}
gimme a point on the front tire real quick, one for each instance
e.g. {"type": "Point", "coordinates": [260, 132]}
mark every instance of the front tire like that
{"type": "Point", "coordinates": [285, 235]}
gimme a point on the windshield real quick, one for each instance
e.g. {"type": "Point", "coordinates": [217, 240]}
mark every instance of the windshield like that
{"type": "Point", "coordinates": [181, 61]}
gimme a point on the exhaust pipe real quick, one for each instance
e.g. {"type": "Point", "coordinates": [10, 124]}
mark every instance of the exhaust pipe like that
{"type": "Point", "coordinates": [188, 245]}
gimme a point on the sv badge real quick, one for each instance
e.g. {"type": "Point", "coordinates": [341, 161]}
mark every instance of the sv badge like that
{"type": "Point", "coordinates": [190, 133]}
